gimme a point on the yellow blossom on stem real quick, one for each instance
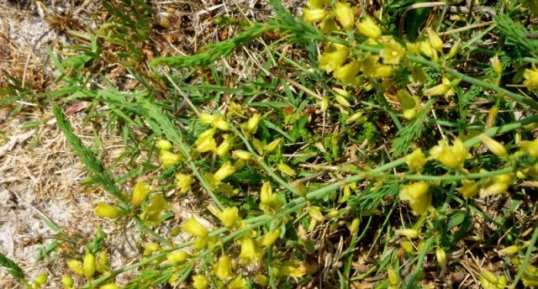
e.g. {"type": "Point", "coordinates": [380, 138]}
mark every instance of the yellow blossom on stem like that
{"type": "Point", "coordinates": [531, 78]}
{"type": "Point", "coordinates": [418, 197]}
{"type": "Point", "coordinates": [344, 14]}
{"type": "Point", "coordinates": [177, 257]}
{"type": "Point", "coordinates": [392, 51]}
{"type": "Point", "coordinates": [469, 188]}
{"type": "Point", "coordinates": [242, 155]}
{"type": "Point", "coordinates": [75, 266]}
{"type": "Point", "coordinates": [195, 228]}
{"type": "Point", "coordinates": [223, 268]}
{"type": "Point", "coordinates": [348, 73]}
{"type": "Point", "coordinates": [184, 182]}
{"type": "Point", "coordinates": [371, 67]}
{"type": "Point", "coordinates": [494, 146]}
{"type": "Point", "coordinates": [369, 28]}
{"type": "Point", "coordinates": [250, 252]}
{"type": "Point", "coordinates": [164, 145]}
{"type": "Point", "coordinates": [200, 282]}
{"type": "Point", "coordinates": [435, 40]}
{"type": "Point", "coordinates": [229, 217]}
{"type": "Point", "coordinates": [333, 57]}
{"type": "Point", "coordinates": [88, 265]}
{"type": "Point", "coordinates": [313, 15]}
{"type": "Point", "coordinates": [416, 160]}
{"type": "Point", "coordinates": [445, 88]}
{"type": "Point", "coordinates": [226, 170]}
{"type": "Point", "coordinates": [168, 158]}
{"type": "Point", "coordinates": [270, 147]}
{"type": "Point", "coordinates": [104, 210]}
{"type": "Point", "coordinates": [238, 283]}
{"type": "Point", "coordinates": [285, 169]}
{"type": "Point", "coordinates": [409, 233]}
{"type": "Point", "coordinates": [140, 193]}
{"type": "Point", "coordinates": [452, 157]}
{"type": "Point", "coordinates": [253, 122]}
{"type": "Point", "coordinates": [270, 238]}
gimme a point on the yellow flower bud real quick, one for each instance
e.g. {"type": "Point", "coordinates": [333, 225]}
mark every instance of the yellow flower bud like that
{"type": "Point", "coordinates": [207, 119]}
{"type": "Point", "coordinates": [293, 269]}
{"type": "Point", "coordinates": [342, 101]}
{"type": "Point", "coordinates": [222, 124]}
{"type": "Point", "coordinates": [314, 15]}
{"type": "Point", "coordinates": [393, 277]}
{"type": "Point", "coordinates": [531, 78]}
{"type": "Point", "coordinates": [177, 257]}
{"type": "Point", "coordinates": [67, 281]}
{"type": "Point", "coordinates": [409, 233]}
{"type": "Point", "coordinates": [168, 158]}
{"type": "Point", "coordinates": [75, 266]}
{"type": "Point", "coordinates": [266, 193]}
{"type": "Point", "coordinates": [229, 217]}
{"type": "Point", "coordinates": [184, 182]}
{"type": "Point", "coordinates": [242, 155]}
{"type": "Point", "coordinates": [370, 67]}
{"type": "Point", "coordinates": [324, 104]}
{"type": "Point", "coordinates": [150, 248]}
{"type": "Point", "coordinates": [441, 89]}
{"type": "Point", "coordinates": [89, 265]}
{"type": "Point", "coordinates": [416, 160]}
{"type": "Point", "coordinates": [273, 145]}
{"type": "Point", "coordinates": [253, 122]}
{"type": "Point", "coordinates": [195, 228]}
{"type": "Point", "coordinates": [110, 286]}
{"type": "Point", "coordinates": [223, 149]}
{"type": "Point", "coordinates": [101, 264]}
{"type": "Point", "coordinates": [531, 147]}
{"type": "Point", "coordinates": [356, 117]}
{"type": "Point", "coordinates": [270, 238]}
{"type": "Point", "coordinates": [104, 210]}
{"type": "Point", "coordinates": [344, 14]}
{"type": "Point", "coordinates": [494, 146]}
{"type": "Point", "coordinates": [333, 57]}
{"type": "Point", "coordinates": [285, 169]}
{"type": "Point", "coordinates": [223, 268]}
{"type": "Point", "coordinates": [435, 40]}
{"type": "Point", "coordinates": [510, 250]}
{"type": "Point", "coordinates": [392, 51]}
{"type": "Point", "coordinates": [418, 197]}
{"type": "Point", "coordinates": [496, 64]}
{"type": "Point", "coordinates": [347, 73]}
{"type": "Point", "coordinates": [451, 157]}
{"type": "Point", "coordinates": [250, 252]}
{"type": "Point", "coordinates": [441, 257]}
{"type": "Point", "coordinates": [235, 109]}
{"type": "Point", "coordinates": [41, 279]}
{"type": "Point", "coordinates": [354, 226]}
{"type": "Point", "coordinates": [427, 50]}
{"type": "Point", "coordinates": [164, 145]}
{"type": "Point", "coordinates": [200, 282]}
{"type": "Point", "coordinates": [494, 189]}
{"type": "Point", "coordinates": [469, 189]}
{"type": "Point", "coordinates": [223, 172]}
{"type": "Point", "coordinates": [369, 28]}
{"type": "Point", "coordinates": [407, 247]}
{"type": "Point", "coordinates": [140, 193]}
{"type": "Point", "coordinates": [206, 144]}
{"type": "Point", "coordinates": [454, 49]}
{"type": "Point", "coordinates": [315, 213]}
{"type": "Point", "coordinates": [238, 283]}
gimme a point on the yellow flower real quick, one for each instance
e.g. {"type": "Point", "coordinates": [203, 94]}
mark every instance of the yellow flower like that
{"type": "Point", "coordinates": [496, 64]}
{"type": "Point", "coordinates": [199, 282]}
{"type": "Point", "coordinates": [344, 14]}
{"type": "Point", "coordinates": [494, 146]}
{"type": "Point", "coordinates": [242, 155]}
{"type": "Point", "coordinates": [347, 73]}
{"type": "Point", "coordinates": [206, 143]}
{"type": "Point", "coordinates": [164, 145]}
{"type": "Point", "coordinates": [270, 238]}
{"type": "Point", "coordinates": [223, 172]}
{"type": "Point", "coordinates": [416, 160]}
{"type": "Point", "coordinates": [408, 103]}
{"type": "Point", "coordinates": [101, 264]}
{"type": "Point", "coordinates": [427, 50]}
{"type": "Point", "coordinates": [207, 119]}
{"type": "Point", "coordinates": [88, 265]}
{"type": "Point", "coordinates": [229, 217]}
{"type": "Point", "coordinates": [140, 193]}
{"type": "Point", "coordinates": [168, 158]}
{"type": "Point", "coordinates": [177, 257]}
{"type": "Point", "coordinates": [445, 88]}
{"type": "Point", "coordinates": [392, 51]}
{"type": "Point", "coordinates": [184, 182]}
{"type": "Point", "coordinates": [468, 189]}
{"type": "Point", "coordinates": [369, 28]}
{"type": "Point", "coordinates": [223, 268]}
{"type": "Point", "coordinates": [409, 233]}
{"type": "Point", "coordinates": [333, 57]}
{"type": "Point", "coordinates": [313, 15]}
{"type": "Point", "coordinates": [285, 169]}
{"type": "Point", "coordinates": [223, 149]}
{"type": "Point", "coordinates": [440, 254]}
{"type": "Point", "coordinates": [238, 283]}
{"type": "Point", "coordinates": [371, 67]}
{"type": "Point", "coordinates": [195, 228]}
{"type": "Point", "coordinates": [269, 202]}
{"type": "Point", "coordinates": [294, 268]}
{"type": "Point", "coordinates": [418, 197]}
{"type": "Point", "coordinates": [253, 122]}
{"type": "Point", "coordinates": [104, 210]}
{"type": "Point", "coordinates": [435, 40]}
{"type": "Point", "coordinates": [273, 145]}
{"type": "Point", "coordinates": [250, 252]}
{"type": "Point", "coordinates": [75, 266]}
{"type": "Point", "coordinates": [531, 78]}
{"type": "Point", "coordinates": [354, 226]}
{"type": "Point", "coordinates": [497, 185]}
{"type": "Point", "coordinates": [452, 157]}
{"type": "Point", "coordinates": [315, 213]}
